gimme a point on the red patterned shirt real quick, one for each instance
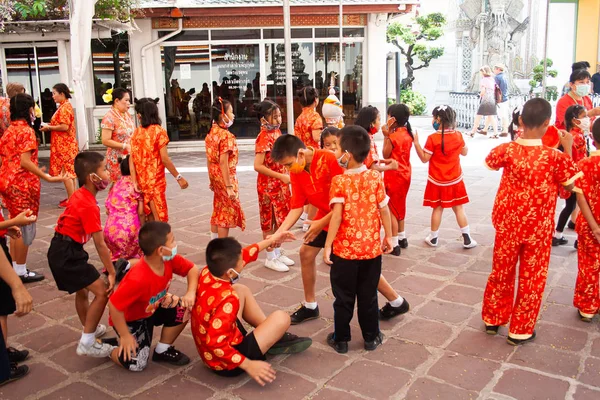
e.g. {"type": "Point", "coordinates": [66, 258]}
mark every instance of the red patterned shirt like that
{"type": "Point", "coordinates": [214, 318]}
{"type": "Point", "coordinates": [264, 144]}
{"type": "Point", "coordinates": [373, 156]}
{"type": "Point", "coordinates": [589, 186]}
{"type": "Point", "coordinates": [4, 114]}
{"type": "Point", "coordinates": [308, 121]}
{"type": "Point", "coordinates": [362, 193]}
{"type": "Point", "coordinates": [579, 148]}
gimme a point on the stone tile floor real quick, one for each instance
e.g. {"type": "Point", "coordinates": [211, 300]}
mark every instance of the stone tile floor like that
{"type": "Point", "coordinates": [438, 350]}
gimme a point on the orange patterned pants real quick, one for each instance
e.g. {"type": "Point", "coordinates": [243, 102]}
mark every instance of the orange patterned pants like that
{"type": "Point", "coordinates": [499, 303]}
{"type": "Point", "coordinates": [587, 298]}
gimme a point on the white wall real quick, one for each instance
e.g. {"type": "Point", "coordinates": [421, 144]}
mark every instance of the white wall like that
{"type": "Point", "coordinates": [561, 42]}
{"type": "Point", "coordinates": [375, 74]}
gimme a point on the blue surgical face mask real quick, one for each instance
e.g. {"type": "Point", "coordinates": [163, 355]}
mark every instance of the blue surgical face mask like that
{"type": "Point", "coordinates": [173, 254]}
{"type": "Point", "coordinates": [237, 278]}
{"type": "Point", "coordinates": [436, 125]}
{"type": "Point", "coordinates": [582, 90]}
{"type": "Point", "coordinates": [343, 164]}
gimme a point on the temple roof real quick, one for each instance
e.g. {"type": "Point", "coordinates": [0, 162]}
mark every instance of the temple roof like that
{"type": "Point", "coordinates": [259, 3]}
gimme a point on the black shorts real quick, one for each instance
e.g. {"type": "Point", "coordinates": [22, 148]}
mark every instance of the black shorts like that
{"type": "Point", "coordinates": [142, 330]}
{"type": "Point", "coordinates": [7, 302]}
{"type": "Point", "coordinates": [319, 241]}
{"type": "Point", "coordinates": [69, 264]}
{"type": "Point", "coordinates": [248, 348]}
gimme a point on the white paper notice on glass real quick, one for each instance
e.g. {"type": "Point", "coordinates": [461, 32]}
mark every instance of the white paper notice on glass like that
{"type": "Point", "coordinates": [185, 71]}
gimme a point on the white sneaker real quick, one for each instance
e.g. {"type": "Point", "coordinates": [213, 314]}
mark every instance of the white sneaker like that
{"type": "Point", "coordinates": [430, 240]}
{"type": "Point", "coordinates": [100, 330]}
{"type": "Point", "coordinates": [276, 265]}
{"type": "Point", "coordinates": [98, 350]}
{"type": "Point", "coordinates": [286, 260]}
{"type": "Point", "coordinates": [300, 221]}
{"type": "Point", "coordinates": [470, 245]}
{"type": "Point", "coordinates": [305, 227]}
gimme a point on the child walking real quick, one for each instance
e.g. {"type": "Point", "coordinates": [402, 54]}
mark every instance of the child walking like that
{"type": "Point", "coordinates": [398, 140]}
{"type": "Point", "coordinates": [68, 260]}
{"type": "Point", "coordinates": [125, 209]}
{"type": "Point", "coordinates": [445, 186]}
{"type": "Point", "coordinates": [353, 246]}
{"type": "Point", "coordinates": [587, 298]}
{"type": "Point", "coordinates": [222, 158]}
{"type": "Point", "coordinates": [523, 216]}
{"type": "Point", "coordinates": [272, 183]}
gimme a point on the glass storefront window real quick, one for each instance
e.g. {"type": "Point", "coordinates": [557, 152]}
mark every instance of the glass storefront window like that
{"type": "Point", "coordinates": [302, 33]}
{"type": "Point", "coordinates": [273, 34]}
{"type": "Point", "coordinates": [354, 32]}
{"type": "Point", "coordinates": [111, 65]}
{"type": "Point", "coordinates": [234, 34]}
{"type": "Point", "coordinates": [327, 32]}
{"type": "Point", "coordinates": [352, 86]}
{"type": "Point", "coordinates": [185, 35]}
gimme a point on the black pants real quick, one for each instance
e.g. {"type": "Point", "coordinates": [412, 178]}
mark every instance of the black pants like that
{"type": "Point", "coordinates": [4, 363]}
{"type": "Point", "coordinates": [350, 280]}
{"type": "Point", "coordinates": [566, 212]}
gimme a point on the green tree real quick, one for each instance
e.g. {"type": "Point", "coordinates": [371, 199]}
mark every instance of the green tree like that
{"type": "Point", "coordinates": [538, 77]}
{"type": "Point", "coordinates": [22, 10]}
{"type": "Point", "coordinates": [411, 40]}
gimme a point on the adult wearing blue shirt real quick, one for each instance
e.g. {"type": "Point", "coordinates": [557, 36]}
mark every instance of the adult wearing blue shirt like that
{"type": "Point", "coordinates": [596, 80]}
{"type": "Point", "coordinates": [502, 83]}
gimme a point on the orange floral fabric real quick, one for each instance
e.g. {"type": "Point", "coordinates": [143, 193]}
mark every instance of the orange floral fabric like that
{"type": "Point", "coordinates": [4, 114]}
{"type": "Point", "coordinates": [273, 195]}
{"type": "Point", "coordinates": [309, 120]}
{"type": "Point", "coordinates": [214, 317]}
{"type": "Point", "coordinates": [579, 148]}
{"type": "Point", "coordinates": [19, 188]}
{"type": "Point", "coordinates": [373, 155]}
{"type": "Point", "coordinates": [227, 213]}
{"type": "Point", "coordinates": [362, 194]}
{"type": "Point", "coordinates": [122, 128]}
{"type": "Point", "coordinates": [146, 144]}
{"type": "Point", "coordinates": [63, 145]}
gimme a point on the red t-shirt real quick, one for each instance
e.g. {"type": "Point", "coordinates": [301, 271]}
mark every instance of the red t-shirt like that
{"type": "Point", "coordinates": [565, 102]}
{"type": "Point", "coordinates": [444, 167]}
{"type": "Point", "coordinates": [81, 218]}
{"type": "Point", "coordinates": [313, 188]}
{"type": "Point", "coordinates": [141, 291]}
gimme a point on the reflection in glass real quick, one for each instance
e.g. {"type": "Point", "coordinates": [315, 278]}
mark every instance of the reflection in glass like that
{"type": "Point", "coordinates": [111, 64]}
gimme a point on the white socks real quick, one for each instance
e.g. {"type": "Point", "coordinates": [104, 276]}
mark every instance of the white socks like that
{"type": "Point", "coordinates": [304, 216]}
{"type": "Point", "coordinates": [394, 241]}
{"type": "Point", "coordinates": [20, 269]}
{"type": "Point", "coordinates": [310, 306]}
{"type": "Point", "coordinates": [277, 252]}
{"type": "Point", "coordinates": [465, 230]}
{"type": "Point", "coordinates": [401, 235]}
{"type": "Point", "coordinates": [398, 302]}
{"type": "Point", "coordinates": [558, 234]}
{"type": "Point", "coordinates": [271, 255]}
{"type": "Point", "coordinates": [161, 347]}
{"type": "Point", "coordinates": [87, 339]}
{"type": "Point", "coordinates": [214, 235]}
{"type": "Point", "coordinates": [434, 234]}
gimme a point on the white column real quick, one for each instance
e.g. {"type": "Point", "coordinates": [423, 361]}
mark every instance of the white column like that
{"type": "Point", "coordinates": [137, 40]}
{"type": "Point", "coordinates": [375, 82]}
{"type": "Point", "coordinates": [63, 62]}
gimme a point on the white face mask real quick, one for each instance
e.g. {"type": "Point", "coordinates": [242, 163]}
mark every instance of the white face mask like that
{"type": "Point", "coordinates": [229, 122]}
{"type": "Point", "coordinates": [584, 124]}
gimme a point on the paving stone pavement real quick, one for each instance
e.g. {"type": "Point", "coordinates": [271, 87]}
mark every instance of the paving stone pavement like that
{"type": "Point", "coordinates": [438, 350]}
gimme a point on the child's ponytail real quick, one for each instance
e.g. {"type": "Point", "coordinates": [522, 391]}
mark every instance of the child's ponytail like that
{"type": "Point", "coordinates": [447, 118]}
{"type": "Point", "coordinates": [514, 122]}
{"type": "Point", "coordinates": [401, 113]}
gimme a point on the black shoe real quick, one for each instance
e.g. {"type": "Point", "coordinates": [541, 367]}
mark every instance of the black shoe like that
{"type": "Point", "coordinates": [16, 373]}
{"type": "Point", "coordinates": [396, 251]}
{"type": "Point", "coordinates": [403, 243]}
{"type": "Point", "coordinates": [171, 356]}
{"type": "Point", "coordinates": [304, 314]}
{"type": "Point", "coordinates": [517, 342]}
{"type": "Point", "coordinates": [583, 317]}
{"type": "Point", "coordinates": [575, 244]}
{"type": "Point", "coordinates": [121, 268]}
{"type": "Point", "coordinates": [31, 276]}
{"type": "Point", "coordinates": [340, 347]}
{"type": "Point", "coordinates": [16, 356]}
{"type": "Point", "coordinates": [559, 242]}
{"type": "Point", "coordinates": [468, 242]}
{"type": "Point", "coordinates": [388, 311]}
{"type": "Point", "coordinates": [492, 329]}
{"type": "Point", "coordinates": [290, 344]}
{"type": "Point", "coordinates": [571, 225]}
{"type": "Point", "coordinates": [373, 344]}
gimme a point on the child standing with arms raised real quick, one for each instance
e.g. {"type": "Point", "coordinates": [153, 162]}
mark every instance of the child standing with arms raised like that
{"type": "Point", "coordinates": [445, 186]}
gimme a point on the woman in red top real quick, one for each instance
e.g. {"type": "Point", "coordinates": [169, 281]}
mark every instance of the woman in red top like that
{"type": "Point", "coordinates": [309, 123]}
{"type": "Point", "coordinates": [222, 158]}
{"type": "Point", "coordinates": [580, 88]}
{"type": "Point", "coordinates": [63, 142]}
{"type": "Point", "coordinates": [20, 178]}
{"type": "Point", "coordinates": [445, 187]}
{"type": "Point", "coordinates": [398, 140]}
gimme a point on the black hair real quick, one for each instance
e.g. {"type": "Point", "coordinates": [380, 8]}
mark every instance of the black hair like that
{"type": "Point", "coordinates": [536, 112]}
{"type": "Point", "coordinates": [153, 235]}
{"type": "Point", "coordinates": [20, 104]}
{"type": "Point", "coordinates": [86, 163]}
{"type": "Point", "coordinates": [148, 111]}
{"type": "Point", "coordinates": [580, 65]}
{"type": "Point", "coordinates": [401, 114]}
{"type": "Point", "coordinates": [366, 116]}
{"type": "Point", "coordinates": [514, 123]}
{"type": "Point", "coordinates": [307, 95]}
{"type": "Point", "coordinates": [447, 120]}
{"type": "Point", "coordinates": [328, 131]}
{"type": "Point", "coordinates": [286, 146]}
{"type": "Point", "coordinates": [356, 141]}
{"type": "Point", "coordinates": [118, 94]}
{"type": "Point", "coordinates": [265, 108]}
{"type": "Point", "coordinates": [579, 75]}
{"type": "Point", "coordinates": [573, 112]}
{"type": "Point", "coordinates": [124, 165]}
{"type": "Point", "coordinates": [62, 88]}
{"type": "Point", "coordinates": [222, 254]}
{"type": "Point", "coordinates": [220, 106]}
{"type": "Point", "coordinates": [596, 131]}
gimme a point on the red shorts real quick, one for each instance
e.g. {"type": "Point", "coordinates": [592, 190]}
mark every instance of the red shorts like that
{"type": "Point", "coordinates": [445, 196]}
{"type": "Point", "coordinates": [397, 191]}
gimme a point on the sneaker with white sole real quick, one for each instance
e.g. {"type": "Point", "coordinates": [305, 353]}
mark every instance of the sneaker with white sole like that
{"type": "Point", "coordinates": [100, 330]}
{"type": "Point", "coordinates": [432, 241]}
{"type": "Point", "coordinates": [286, 260]}
{"type": "Point", "coordinates": [468, 242]}
{"type": "Point", "coordinates": [305, 226]}
{"type": "Point", "coordinates": [276, 265]}
{"type": "Point", "coordinates": [98, 349]}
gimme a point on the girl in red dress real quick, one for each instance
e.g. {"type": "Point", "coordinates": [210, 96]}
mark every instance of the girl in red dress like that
{"type": "Point", "coordinates": [370, 119]}
{"type": "Point", "coordinates": [398, 140]}
{"type": "Point", "coordinates": [309, 124]}
{"type": "Point", "coordinates": [445, 186]}
{"type": "Point", "coordinates": [222, 158]}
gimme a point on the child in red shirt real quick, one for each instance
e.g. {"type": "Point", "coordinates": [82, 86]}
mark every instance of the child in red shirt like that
{"type": "Point", "coordinates": [68, 260]}
{"type": "Point", "coordinates": [309, 124]}
{"type": "Point", "coordinates": [353, 247]}
{"type": "Point", "coordinates": [221, 303]}
{"type": "Point", "coordinates": [142, 301]}
{"type": "Point", "coordinates": [272, 183]}
{"type": "Point", "coordinates": [445, 186]}
{"type": "Point", "coordinates": [369, 118]}
{"type": "Point", "coordinates": [523, 216]}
